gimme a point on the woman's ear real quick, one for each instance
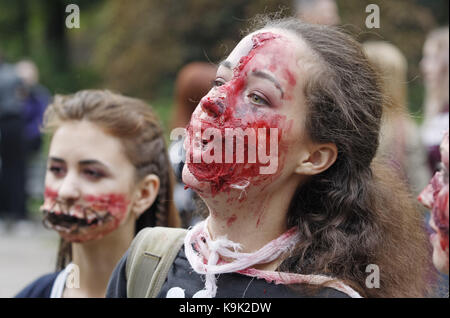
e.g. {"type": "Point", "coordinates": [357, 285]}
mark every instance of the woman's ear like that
{"type": "Point", "coordinates": [318, 159]}
{"type": "Point", "coordinates": [145, 194]}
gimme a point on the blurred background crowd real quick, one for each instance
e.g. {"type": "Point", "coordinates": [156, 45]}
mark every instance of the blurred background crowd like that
{"type": "Point", "coordinates": [165, 52]}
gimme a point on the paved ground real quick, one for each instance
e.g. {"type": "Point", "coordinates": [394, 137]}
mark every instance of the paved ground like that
{"type": "Point", "coordinates": [27, 250]}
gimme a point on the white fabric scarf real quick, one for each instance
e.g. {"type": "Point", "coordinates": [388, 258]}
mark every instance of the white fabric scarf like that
{"type": "Point", "coordinates": [204, 259]}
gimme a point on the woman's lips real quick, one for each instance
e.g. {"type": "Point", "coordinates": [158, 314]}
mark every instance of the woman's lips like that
{"type": "Point", "coordinates": [73, 220]}
{"type": "Point", "coordinates": [198, 143]}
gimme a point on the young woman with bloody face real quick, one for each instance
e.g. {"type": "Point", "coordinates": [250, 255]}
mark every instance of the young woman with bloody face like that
{"type": "Point", "coordinates": [302, 205]}
{"type": "Point", "coordinates": [108, 177]}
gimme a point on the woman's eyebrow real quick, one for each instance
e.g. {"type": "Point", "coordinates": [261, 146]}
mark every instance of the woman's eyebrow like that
{"type": "Point", "coordinates": [56, 159]}
{"type": "Point", "coordinates": [88, 162]}
{"type": "Point", "coordinates": [269, 77]}
{"type": "Point", "coordinates": [91, 162]}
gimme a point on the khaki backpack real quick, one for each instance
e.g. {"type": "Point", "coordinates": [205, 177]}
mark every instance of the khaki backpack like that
{"type": "Point", "coordinates": [150, 257]}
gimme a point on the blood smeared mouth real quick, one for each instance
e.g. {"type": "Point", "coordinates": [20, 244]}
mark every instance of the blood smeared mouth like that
{"type": "Point", "coordinates": [71, 223]}
{"type": "Point", "coordinates": [206, 142]}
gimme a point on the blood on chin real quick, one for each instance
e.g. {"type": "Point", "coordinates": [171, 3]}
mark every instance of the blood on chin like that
{"type": "Point", "coordinates": [208, 180]}
{"type": "Point", "coordinates": [192, 182]}
{"type": "Point", "coordinates": [90, 233]}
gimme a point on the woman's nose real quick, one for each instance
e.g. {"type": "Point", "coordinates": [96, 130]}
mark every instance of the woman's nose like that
{"type": "Point", "coordinates": [69, 190]}
{"type": "Point", "coordinates": [213, 106]}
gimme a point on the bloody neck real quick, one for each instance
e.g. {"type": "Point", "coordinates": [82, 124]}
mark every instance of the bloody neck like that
{"type": "Point", "coordinates": [254, 221]}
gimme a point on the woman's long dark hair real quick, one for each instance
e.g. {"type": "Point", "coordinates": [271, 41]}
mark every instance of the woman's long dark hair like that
{"type": "Point", "coordinates": [138, 128]}
{"type": "Point", "coordinates": [357, 212]}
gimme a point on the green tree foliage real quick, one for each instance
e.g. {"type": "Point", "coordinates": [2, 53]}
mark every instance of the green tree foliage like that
{"type": "Point", "coordinates": [36, 30]}
{"type": "Point", "coordinates": [147, 42]}
{"type": "Point", "coordinates": [136, 47]}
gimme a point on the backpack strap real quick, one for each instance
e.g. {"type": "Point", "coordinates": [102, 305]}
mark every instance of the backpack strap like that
{"type": "Point", "coordinates": [150, 257]}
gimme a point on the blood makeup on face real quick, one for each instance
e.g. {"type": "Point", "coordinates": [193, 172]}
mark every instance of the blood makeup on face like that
{"type": "Point", "coordinates": [91, 217]}
{"type": "Point", "coordinates": [440, 210]}
{"type": "Point", "coordinates": [228, 108]}
{"type": "Point", "coordinates": [435, 197]}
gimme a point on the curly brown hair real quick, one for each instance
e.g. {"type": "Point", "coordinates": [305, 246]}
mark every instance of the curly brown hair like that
{"type": "Point", "coordinates": [137, 126]}
{"type": "Point", "coordinates": [357, 212]}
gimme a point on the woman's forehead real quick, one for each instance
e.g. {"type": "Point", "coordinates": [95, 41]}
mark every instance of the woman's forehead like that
{"type": "Point", "coordinates": [74, 139]}
{"type": "Point", "coordinates": [286, 43]}
{"type": "Point", "coordinates": [244, 47]}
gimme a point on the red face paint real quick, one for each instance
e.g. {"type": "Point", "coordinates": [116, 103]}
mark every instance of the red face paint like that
{"type": "Point", "coordinates": [91, 217]}
{"type": "Point", "coordinates": [231, 220]}
{"type": "Point", "coordinates": [113, 203]}
{"type": "Point", "coordinates": [229, 108]}
{"type": "Point", "coordinates": [50, 194]}
{"type": "Point", "coordinates": [436, 197]}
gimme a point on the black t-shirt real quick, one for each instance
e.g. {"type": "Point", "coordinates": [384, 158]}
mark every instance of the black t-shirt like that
{"type": "Point", "coordinates": [230, 285]}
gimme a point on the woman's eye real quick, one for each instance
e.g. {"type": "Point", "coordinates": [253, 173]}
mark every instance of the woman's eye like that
{"type": "Point", "coordinates": [258, 100]}
{"type": "Point", "coordinates": [57, 171]}
{"type": "Point", "coordinates": [93, 174]}
{"type": "Point", "coordinates": [218, 82]}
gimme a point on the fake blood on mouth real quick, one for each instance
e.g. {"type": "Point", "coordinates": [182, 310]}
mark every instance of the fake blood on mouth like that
{"type": "Point", "coordinates": [105, 202]}
{"type": "Point", "coordinates": [50, 193]}
{"type": "Point", "coordinates": [113, 204]}
{"type": "Point", "coordinates": [222, 175]}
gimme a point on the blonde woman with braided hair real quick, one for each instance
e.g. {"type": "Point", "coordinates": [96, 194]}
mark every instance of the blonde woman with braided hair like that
{"type": "Point", "coordinates": [108, 177]}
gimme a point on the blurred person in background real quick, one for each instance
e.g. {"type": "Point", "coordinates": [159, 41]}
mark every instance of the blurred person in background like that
{"type": "Point", "coordinates": [435, 69]}
{"type": "Point", "coordinates": [400, 142]}
{"type": "Point", "coordinates": [317, 11]}
{"type": "Point", "coordinates": [36, 99]}
{"type": "Point", "coordinates": [12, 145]}
{"type": "Point", "coordinates": [108, 177]}
{"type": "Point", "coordinates": [193, 81]}
{"type": "Point", "coordinates": [435, 197]}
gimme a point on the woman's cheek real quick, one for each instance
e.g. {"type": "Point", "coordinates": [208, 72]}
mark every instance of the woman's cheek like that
{"type": "Point", "coordinates": [115, 204]}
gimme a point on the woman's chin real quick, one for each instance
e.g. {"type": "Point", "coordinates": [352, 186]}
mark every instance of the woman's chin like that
{"type": "Point", "coordinates": [440, 257]}
{"type": "Point", "coordinates": [89, 233]}
{"type": "Point", "coordinates": [192, 182]}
